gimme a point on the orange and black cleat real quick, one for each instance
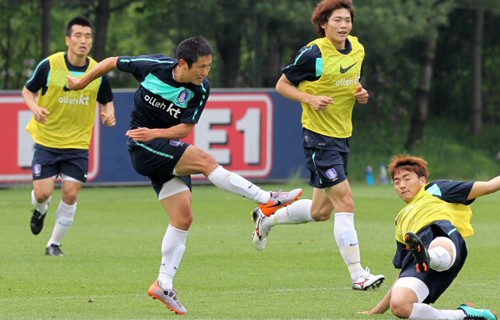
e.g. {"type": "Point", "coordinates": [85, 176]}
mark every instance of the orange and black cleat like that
{"type": "Point", "coordinates": [418, 250]}
{"type": "Point", "coordinates": [279, 199]}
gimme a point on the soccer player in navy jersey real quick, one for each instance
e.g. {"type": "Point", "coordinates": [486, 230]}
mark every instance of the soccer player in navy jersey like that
{"type": "Point", "coordinates": [167, 105]}
{"type": "Point", "coordinates": [325, 78]}
{"type": "Point", "coordinates": [430, 232]}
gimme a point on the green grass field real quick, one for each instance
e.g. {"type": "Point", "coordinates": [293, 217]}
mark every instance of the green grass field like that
{"type": "Point", "coordinates": [113, 255]}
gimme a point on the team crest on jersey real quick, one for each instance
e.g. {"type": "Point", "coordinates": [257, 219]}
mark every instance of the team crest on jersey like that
{"type": "Point", "coordinates": [37, 170]}
{"type": "Point", "coordinates": [183, 96]}
{"type": "Point", "coordinates": [332, 174]}
{"type": "Point", "coordinates": [176, 143]}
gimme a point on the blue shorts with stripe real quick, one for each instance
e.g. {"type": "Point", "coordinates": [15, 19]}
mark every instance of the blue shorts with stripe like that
{"type": "Point", "coordinates": [157, 159]}
{"type": "Point", "coordinates": [326, 157]}
{"type": "Point", "coordinates": [437, 282]}
{"type": "Point", "coordinates": [48, 162]}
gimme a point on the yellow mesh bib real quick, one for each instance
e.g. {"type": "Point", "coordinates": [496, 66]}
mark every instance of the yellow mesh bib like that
{"type": "Point", "coordinates": [425, 208]}
{"type": "Point", "coordinates": [339, 80]}
{"type": "Point", "coordinates": [72, 113]}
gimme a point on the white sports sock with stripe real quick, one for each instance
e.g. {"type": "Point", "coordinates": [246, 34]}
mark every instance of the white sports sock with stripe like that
{"type": "Point", "coordinates": [64, 219]}
{"type": "Point", "coordinates": [234, 183]}
{"type": "Point", "coordinates": [172, 248]}
{"type": "Point", "coordinates": [347, 240]}
{"type": "Point", "coordinates": [297, 212]}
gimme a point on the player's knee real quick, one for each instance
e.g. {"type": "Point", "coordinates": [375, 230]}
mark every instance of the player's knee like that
{"type": "Point", "coordinates": [41, 197]}
{"type": "Point", "coordinates": [442, 252]}
{"type": "Point", "coordinates": [347, 202]}
{"type": "Point", "coordinates": [70, 197]}
{"type": "Point", "coordinates": [400, 307]}
{"type": "Point", "coordinates": [208, 162]}
{"type": "Point", "coordinates": [321, 214]}
{"type": "Point", "coordinates": [42, 194]}
{"type": "Point", "coordinates": [183, 221]}
{"type": "Point", "coordinates": [445, 243]}
{"type": "Point", "coordinates": [189, 219]}
{"type": "Point", "coordinates": [342, 200]}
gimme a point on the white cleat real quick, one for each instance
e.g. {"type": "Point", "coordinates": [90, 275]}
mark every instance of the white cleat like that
{"type": "Point", "coordinates": [367, 281]}
{"type": "Point", "coordinates": [259, 236]}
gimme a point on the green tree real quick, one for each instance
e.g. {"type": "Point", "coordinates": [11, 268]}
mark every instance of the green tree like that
{"type": "Point", "coordinates": [467, 67]}
{"type": "Point", "coordinates": [479, 8]}
{"type": "Point", "coordinates": [392, 62]}
{"type": "Point", "coordinates": [19, 45]}
{"type": "Point", "coordinates": [252, 39]}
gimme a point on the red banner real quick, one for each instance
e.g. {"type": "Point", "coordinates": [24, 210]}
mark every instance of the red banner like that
{"type": "Point", "coordinates": [17, 148]}
{"type": "Point", "coordinates": [237, 130]}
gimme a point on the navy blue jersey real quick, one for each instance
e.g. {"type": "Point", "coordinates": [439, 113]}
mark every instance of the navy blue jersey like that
{"type": "Point", "coordinates": [304, 66]}
{"type": "Point", "coordinates": [39, 79]}
{"type": "Point", "coordinates": [160, 101]}
{"type": "Point", "coordinates": [451, 191]}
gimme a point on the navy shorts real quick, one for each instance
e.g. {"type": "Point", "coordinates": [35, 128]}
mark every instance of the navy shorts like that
{"type": "Point", "coordinates": [326, 157]}
{"type": "Point", "coordinates": [157, 159]}
{"type": "Point", "coordinates": [48, 162]}
{"type": "Point", "coordinates": [437, 282]}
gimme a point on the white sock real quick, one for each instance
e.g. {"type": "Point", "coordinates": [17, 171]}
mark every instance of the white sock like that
{"type": "Point", "coordinates": [41, 207]}
{"type": "Point", "coordinates": [347, 240]}
{"type": "Point", "coordinates": [425, 311]}
{"type": "Point", "coordinates": [440, 259]}
{"type": "Point", "coordinates": [234, 183]}
{"type": "Point", "coordinates": [64, 219]}
{"type": "Point", "coordinates": [297, 212]}
{"type": "Point", "coordinates": [172, 248]}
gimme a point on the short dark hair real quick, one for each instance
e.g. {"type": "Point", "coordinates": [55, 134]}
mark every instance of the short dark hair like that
{"type": "Point", "coordinates": [79, 21]}
{"type": "Point", "coordinates": [191, 48]}
{"type": "Point", "coordinates": [324, 10]}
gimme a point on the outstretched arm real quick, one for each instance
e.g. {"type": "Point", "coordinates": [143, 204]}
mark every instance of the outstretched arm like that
{"type": "Point", "coordinates": [98, 71]}
{"type": "Point", "coordinates": [385, 303]}
{"type": "Point", "coordinates": [288, 90]}
{"type": "Point", "coordinates": [481, 188]}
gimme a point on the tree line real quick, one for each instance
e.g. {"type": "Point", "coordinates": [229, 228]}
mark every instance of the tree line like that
{"type": "Point", "coordinates": [423, 57]}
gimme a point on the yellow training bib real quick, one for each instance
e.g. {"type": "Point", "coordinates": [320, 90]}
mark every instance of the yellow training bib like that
{"type": "Point", "coordinates": [72, 113]}
{"type": "Point", "coordinates": [339, 79]}
{"type": "Point", "coordinates": [425, 208]}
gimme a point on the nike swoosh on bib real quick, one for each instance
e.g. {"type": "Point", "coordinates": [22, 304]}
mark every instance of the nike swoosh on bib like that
{"type": "Point", "coordinates": [342, 70]}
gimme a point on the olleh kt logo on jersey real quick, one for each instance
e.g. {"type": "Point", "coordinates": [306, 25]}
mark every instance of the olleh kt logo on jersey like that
{"type": "Point", "coordinates": [347, 81]}
{"type": "Point", "coordinates": [82, 100]}
{"type": "Point", "coordinates": [174, 112]}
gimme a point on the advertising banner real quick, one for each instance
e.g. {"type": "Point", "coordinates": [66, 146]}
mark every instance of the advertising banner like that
{"type": "Point", "coordinates": [254, 133]}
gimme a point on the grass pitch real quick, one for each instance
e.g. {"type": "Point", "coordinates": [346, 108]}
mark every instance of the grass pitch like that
{"type": "Point", "coordinates": [113, 255]}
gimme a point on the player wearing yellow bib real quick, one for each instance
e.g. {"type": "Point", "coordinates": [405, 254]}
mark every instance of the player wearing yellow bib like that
{"type": "Point", "coordinates": [430, 232]}
{"type": "Point", "coordinates": [62, 128]}
{"type": "Point", "coordinates": [325, 78]}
